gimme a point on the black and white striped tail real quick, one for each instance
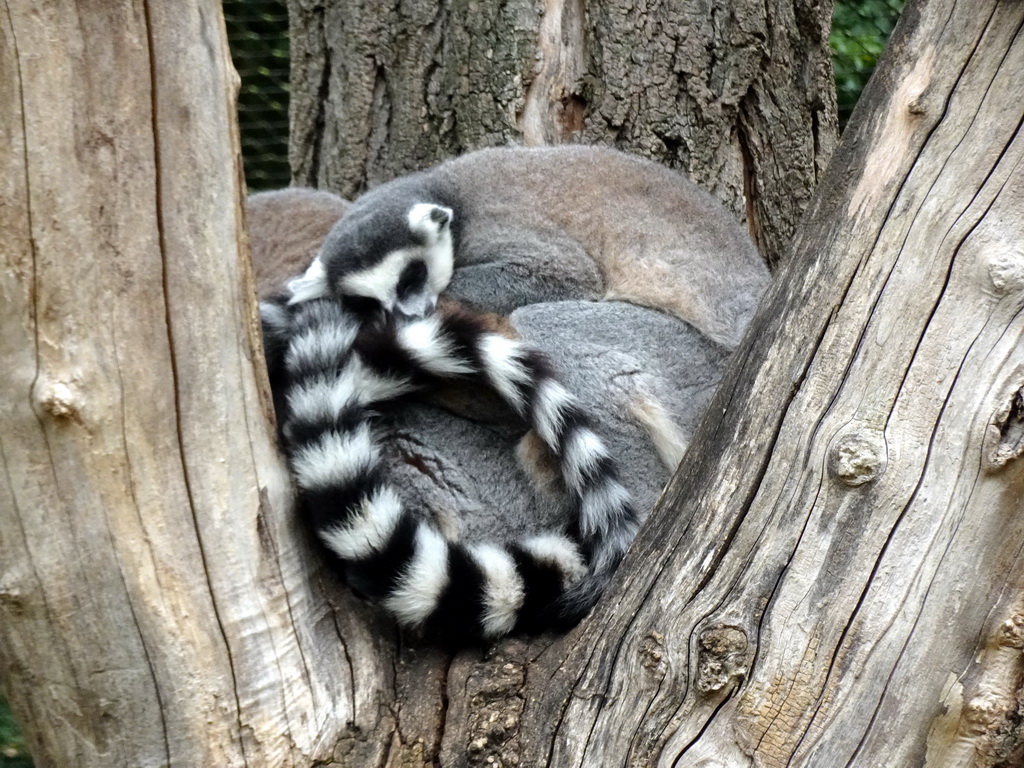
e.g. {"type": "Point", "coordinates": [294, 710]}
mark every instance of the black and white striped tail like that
{"type": "Point", "coordinates": [336, 371]}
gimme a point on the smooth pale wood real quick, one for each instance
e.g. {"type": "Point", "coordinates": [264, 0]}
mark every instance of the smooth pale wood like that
{"type": "Point", "coordinates": [156, 605]}
{"type": "Point", "coordinates": [738, 94]}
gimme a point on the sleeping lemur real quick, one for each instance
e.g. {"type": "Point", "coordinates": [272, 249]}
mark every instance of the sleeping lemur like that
{"type": "Point", "coordinates": [524, 248]}
{"type": "Point", "coordinates": [367, 335]}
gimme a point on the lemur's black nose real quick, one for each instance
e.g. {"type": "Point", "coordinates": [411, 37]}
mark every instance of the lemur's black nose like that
{"type": "Point", "coordinates": [415, 308]}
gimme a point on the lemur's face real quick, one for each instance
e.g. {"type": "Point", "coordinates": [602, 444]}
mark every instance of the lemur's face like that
{"type": "Point", "coordinates": [408, 279]}
{"type": "Point", "coordinates": [373, 267]}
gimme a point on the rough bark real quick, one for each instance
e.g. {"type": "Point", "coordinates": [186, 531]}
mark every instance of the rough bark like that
{"type": "Point", "coordinates": [737, 94]}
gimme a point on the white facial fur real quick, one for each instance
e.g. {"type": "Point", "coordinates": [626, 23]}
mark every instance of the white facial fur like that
{"type": "Point", "coordinates": [380, 282]}
{"type": "Point", "coordinates": [312, 284]}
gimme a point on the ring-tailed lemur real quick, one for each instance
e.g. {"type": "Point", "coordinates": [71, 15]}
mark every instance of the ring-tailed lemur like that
{"type": "Point", "coordinates": [540, 229]}
{"type": "Point", "coordinates": [358, 333]}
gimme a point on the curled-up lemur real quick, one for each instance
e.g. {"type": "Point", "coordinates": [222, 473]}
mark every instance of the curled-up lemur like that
{"type": "Point", "coordinates": [534, 232]}
{"type": "Point", "coordinates": [360, 332]}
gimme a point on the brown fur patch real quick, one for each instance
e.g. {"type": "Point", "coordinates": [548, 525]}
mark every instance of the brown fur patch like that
{"type": "Point", "coordinates": [489, 321]}
{"type": "Point", "coordinates": [540, 464]}
{"type": "Point", "coordinates": [286, 230]}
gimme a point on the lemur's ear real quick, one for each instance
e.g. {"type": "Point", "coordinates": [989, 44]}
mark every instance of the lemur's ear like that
{"type": "Point", "coordinates": [440, 215]}
{"type": "Point", "coordinates": [310, 285]}
{"type": "Point", "coordinates": [429, 219]}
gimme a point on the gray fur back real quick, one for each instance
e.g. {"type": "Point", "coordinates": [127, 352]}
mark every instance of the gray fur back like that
{"type": "Point", "coordinates": [597, 223]}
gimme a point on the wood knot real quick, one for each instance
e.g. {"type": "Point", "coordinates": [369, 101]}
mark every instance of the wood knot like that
{"type": "Point", "coordinates": [721, 657]}
{"type": "Point", "coordinates": [858, 456]}
{"type": "Point", "coordinates": [652, 655]}
{"type": "Point", "coordinates": [1005, 262]}
{"type": "Point", "coordinates": [1004, 438]}
{"type": "Point", "coordinates": [984, 713]}
{"type": "Point", "coordinates": [917, 106]}
{"type": "Point", "coordinates": [60, 399]}
{"type": "Point", "coordinates": [1011, 633]}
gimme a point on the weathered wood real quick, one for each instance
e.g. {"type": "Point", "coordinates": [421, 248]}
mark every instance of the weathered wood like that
{"type": "Point", "coordinates": [737, 94]}
{"type": "Point", "coordinates": [155, 605]}
{"type": "Point", "coordinates": [834, 579]}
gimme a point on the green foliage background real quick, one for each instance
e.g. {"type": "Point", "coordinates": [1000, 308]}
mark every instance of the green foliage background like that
{"type": "Point", "coordinates": [258, 35]}
{"type": "Point", "coordinates": [12, 747]}
{"type": "Point", "coordinates": [860, 29]}
{"type": "Point", "coordinates": [258, 32]}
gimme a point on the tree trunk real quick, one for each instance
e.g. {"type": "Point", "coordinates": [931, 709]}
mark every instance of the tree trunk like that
{"type": "Point", "coordinates": [833, 579]}
{"type": "Point", "coordinates": [738, 94]}
{"type": "Point", "coordinates": [155, 605]}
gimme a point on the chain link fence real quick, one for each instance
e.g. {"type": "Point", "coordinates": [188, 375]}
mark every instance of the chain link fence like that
{"type": "Point", "coordinates": [258, 37]}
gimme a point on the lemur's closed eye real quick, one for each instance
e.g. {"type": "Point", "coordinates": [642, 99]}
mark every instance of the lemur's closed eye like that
{"type": "Point", "coordinates": [366, 306]}
{"type": "Point", "coordinates": [412, 280]}
{"type": "Point", "coordinates": [400, 258]}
